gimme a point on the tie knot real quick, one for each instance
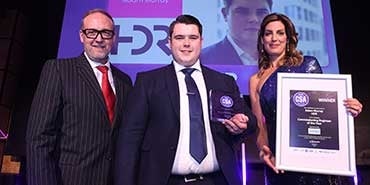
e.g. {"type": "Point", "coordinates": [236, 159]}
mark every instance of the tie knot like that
{"type": "Point", "coordinates": [102, 69]}
{"type": "Point", "coordinates": [188, 71]}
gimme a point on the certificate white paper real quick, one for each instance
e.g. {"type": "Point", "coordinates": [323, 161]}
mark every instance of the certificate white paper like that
{"type": "Point", "coordinates": [314, 132]}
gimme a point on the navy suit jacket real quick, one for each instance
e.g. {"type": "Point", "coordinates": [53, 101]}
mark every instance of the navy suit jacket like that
{"type": "Point", "coordinates": [69, 137]}
{"type": "Point", "coordinates": [220, 53]}
{"type": "Point", "coordinates": [147, 141]}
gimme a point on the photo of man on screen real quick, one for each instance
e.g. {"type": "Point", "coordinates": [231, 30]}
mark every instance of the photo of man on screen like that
{"type": "Point", "coordinates": [238, 47]}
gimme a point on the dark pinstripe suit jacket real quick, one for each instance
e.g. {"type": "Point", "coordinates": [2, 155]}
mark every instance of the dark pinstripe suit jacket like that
{"type": "Point", "coordinates": [69, 137]}
{"type": "Point", "coordinates": [147, 142]}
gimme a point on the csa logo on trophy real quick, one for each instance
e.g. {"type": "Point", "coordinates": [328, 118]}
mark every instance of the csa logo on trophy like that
{"type": "Point", "coordinates": [224, 105]}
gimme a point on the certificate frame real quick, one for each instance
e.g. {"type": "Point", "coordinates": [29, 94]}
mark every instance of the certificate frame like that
{"type": "Point", "coordinates": [314, 132]}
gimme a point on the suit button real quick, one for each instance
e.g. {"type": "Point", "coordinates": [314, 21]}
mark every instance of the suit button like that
{"type": "Point", "coordinates": [109, 158]}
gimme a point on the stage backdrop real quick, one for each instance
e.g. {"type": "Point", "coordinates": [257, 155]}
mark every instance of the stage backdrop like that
{"type": "Point", "coordinates": [142, 30]}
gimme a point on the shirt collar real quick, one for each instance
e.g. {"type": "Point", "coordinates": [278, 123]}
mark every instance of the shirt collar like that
{"type": "Point", "coordinates": [235, 46]}
{"type": "Point", "coordinates": [94, 64]}
{"type": "Point", "coordinates": [179, 67]}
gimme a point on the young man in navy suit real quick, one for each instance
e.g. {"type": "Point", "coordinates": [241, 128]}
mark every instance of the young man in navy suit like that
{"type": "Point", "coordinates": [71, 133]}
{"type": "Point", "coordinates": [153, 143]}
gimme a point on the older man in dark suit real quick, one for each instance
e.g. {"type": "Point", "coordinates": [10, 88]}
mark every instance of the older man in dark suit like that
{"type": "Point", "coordinates": [154, 145]}
{"type": "Point", "coordinates": [71, 127]}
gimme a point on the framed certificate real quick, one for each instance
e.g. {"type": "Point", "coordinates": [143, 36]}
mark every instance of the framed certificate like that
{"type": "Point", "coordinates": [314, 132]}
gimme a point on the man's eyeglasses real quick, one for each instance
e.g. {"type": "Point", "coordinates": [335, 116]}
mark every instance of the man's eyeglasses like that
{"type": "Point", "coordinates": [93, 33]}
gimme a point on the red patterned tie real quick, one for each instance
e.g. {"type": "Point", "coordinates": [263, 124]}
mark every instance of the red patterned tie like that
{"type": "Point", "coordinates": [108, 93]}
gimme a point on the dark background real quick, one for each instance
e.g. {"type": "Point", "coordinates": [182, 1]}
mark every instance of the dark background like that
{"type": "Point", "coordinates": [42, 26]}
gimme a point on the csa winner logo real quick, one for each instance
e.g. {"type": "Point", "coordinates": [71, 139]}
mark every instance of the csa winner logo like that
{"type": "Point", "coordinates": [301, 99]}
{"type": "Point", "coordinates": [226, 101]}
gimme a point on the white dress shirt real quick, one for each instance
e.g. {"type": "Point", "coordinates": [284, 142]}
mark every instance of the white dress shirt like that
{"type": "Point", "coordinates": [184, 163]}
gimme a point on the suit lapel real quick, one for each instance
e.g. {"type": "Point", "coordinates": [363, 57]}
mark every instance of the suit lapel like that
{"type": "Point", "coordinates": [211, 83]}
{"type": "Point", "coordinates": [208, 80]}
{"type": "Point", "coordinates": [173, 88]}
{"type": "Point", "coordinates": [232, 56]}
{"type": "Point", "coordinates": [121, 93]}
{"type": "Point", "coordinates": [87, 75]}
{"type": "Point", "coordinates": [119, 89]}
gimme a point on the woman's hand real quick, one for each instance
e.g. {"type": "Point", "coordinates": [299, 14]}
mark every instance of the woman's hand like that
{"type": "Point", "coordinates": [353, 106]}
{"type": "Point", "coordinates": [265, 155]}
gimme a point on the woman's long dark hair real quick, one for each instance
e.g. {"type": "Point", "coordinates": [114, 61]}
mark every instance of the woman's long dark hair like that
{"type": "Point", "coordinates": [293, 56]}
